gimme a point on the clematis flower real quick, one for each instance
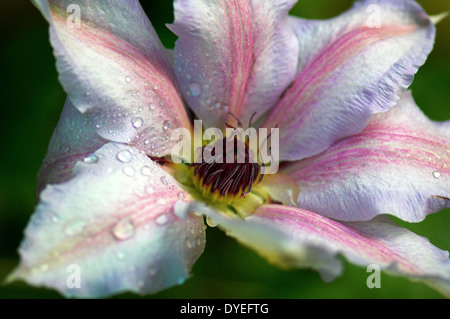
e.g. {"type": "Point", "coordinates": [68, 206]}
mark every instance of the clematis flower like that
{"type": "Point", "coordinates": [354, 147]}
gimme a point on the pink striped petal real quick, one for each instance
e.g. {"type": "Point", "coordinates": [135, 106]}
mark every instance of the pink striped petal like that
{"type": "Point", "coordinates": [116, 222]}
{"type": "Point", "coordinates": [74, 139]}
{"type": "Point", "coordinates": [349, 68]}
{"type": "Point", "coordinates": [115, 70]}
{"type": "Point", "coordinates": [233, 56]}
{"type": "Point", "coordinates": [293, 237]}
{"type": "Point", "coordinates": [398, 165]}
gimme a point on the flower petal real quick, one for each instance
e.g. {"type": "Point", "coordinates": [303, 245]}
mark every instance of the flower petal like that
{"type": "Point", "coordinates": [349, 68]}
{"type": "Point", "coordinates": [398, 165]}
{"type": "Point", "coordinates": [293, 237]}
{"type": "Point", "coordinates": [233, 56]}
{"type": "Point", "coordinates": [73, 140]}
{"type": "Point", "coordinates": [115, 222]}
{"type": "Point", "coordinates": [115, 70]}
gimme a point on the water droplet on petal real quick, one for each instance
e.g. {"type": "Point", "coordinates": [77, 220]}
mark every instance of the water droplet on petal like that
{"type": "Point", "coordinates": [149, 189]}
{"type": "Point", "coordinates": [137, 122]}
{"type": "Point", "coordinates": [124, 156]}
{"type": "Point", "coordinates": [43, 267]}
{"type": "Point", "coordinates": [164, 180]}
{"type": "Point", "coordinates": [188, 243]}
{"type": "Point", "coordinates": [91, 159]}
{"type": "Point", "coordinates": [166, 125]}
{"type": "Point", "coordinates": [161, 219]}
{"type": "Point", "coordinates": [124, 229]}
{"type": "Point", "coordinates": [181, 195]}
{"type": "Point", "coordinates": [145, 170]}
{"type": "Point", "coordinates": [127, 78]}
{"type": "Point", "coordinates": [74, 228]}
{"type": "Point", "coordinates": [436, 174]}
{"type": "Point", "coordinates": [129, 171]}
{"type": "Point", "coordinates": [195, 89]}
{"type": "Point", "coordinates": [210, 222]}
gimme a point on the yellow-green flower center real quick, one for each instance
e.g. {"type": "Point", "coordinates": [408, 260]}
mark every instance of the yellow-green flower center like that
{"type": "Point", "coordinates": [224, 180]}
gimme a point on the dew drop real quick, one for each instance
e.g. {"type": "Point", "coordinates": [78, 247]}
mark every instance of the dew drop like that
{"type": "Point", "coordinates": [436, 174]}
{"type": "Point", "coordinates": [43, 267]}
{"type": "Point", "coordinates": [146, 171]}
{"type": "Point", "coordinates": [152, 106]}
{"type": "Point", "coordinates": [91, 159]}
{"type": "Point", "coordinates": [124, 156]}
{"type": "Point", "coordinates": [149, 189]}
{"type": "Point", "coordinates": [181, 195]}
{"type": "Point", "coordinates": [127, 78]}
{"type": "Point", "coordinates": [74, 228]}
{"type": "Point", "coordinates": [161, 219]}
{"type": "Point", "coordinates": [124, 229]}
{"type": "Point", "coordinates": [129, 171]}
{"type": "Point", "coordinates": [217, 106]}
{"type": "Point", "coordinates": [164, 180]}
{"type": "Point", "coordinates": [120, 255]}
{"type": "Point", "coordinates": [166, 125]}
{"type": "Point", "coordinates": [210, 222]}
{"type": "Point", "coordinates": [137, 122]}
{"type": "Point", "coordinates": [195, 89]}
{"type": "Point", "coordinates": [147, 141]}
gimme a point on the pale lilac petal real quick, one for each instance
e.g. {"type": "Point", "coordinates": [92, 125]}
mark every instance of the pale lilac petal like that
{"type": "Point", "coordinates": [74, 139]}
{"type": "Point", "coordinates": [233, 56]}
{"type": "Point", "coordinates": [349, 68]}
{"type": "Point", "coordinates": [116, 221]}
{"type": "Point", "coordinates": [398, 165]}
{"type": "Point", "coordinates": [116, 71]}
{"type": "Point", "coordinates": [292, 237]}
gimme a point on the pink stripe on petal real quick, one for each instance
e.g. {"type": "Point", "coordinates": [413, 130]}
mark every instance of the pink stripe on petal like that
{"type": "Point", "coordinates": [398, 165]}
{"type": "Point", "coordinates": [233, 56]}
{"type": "Point", "coordinates": [73, 140]}
{"type": "Point", "coordinates": [348, 70]}
{"type": "Point", "coordinates": [392, 248]}
{"type": "Point", "coordinates": [115, 70]}
{"type": "Point", "coordinates": [292, 237]}
{"type": "Point", "coordinates": [117, 221]}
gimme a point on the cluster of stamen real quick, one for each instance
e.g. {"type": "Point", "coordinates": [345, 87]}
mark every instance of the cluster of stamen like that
{"type": "Point", "coordinates": [224, 177]}
{"type": "Point", "coordinates": [231, 173]}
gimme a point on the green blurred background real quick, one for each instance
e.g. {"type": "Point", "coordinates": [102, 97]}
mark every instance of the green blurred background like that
{"type": "Point", "coordinates": [32, 100]}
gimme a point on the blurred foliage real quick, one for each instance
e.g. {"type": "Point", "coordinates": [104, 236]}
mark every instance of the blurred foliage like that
{"type": "Point", "coordinates": [32, 100]}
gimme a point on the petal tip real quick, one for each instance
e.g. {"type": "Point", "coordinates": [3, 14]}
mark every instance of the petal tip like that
{"type": "Point", "coordinates": [439, 17]}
